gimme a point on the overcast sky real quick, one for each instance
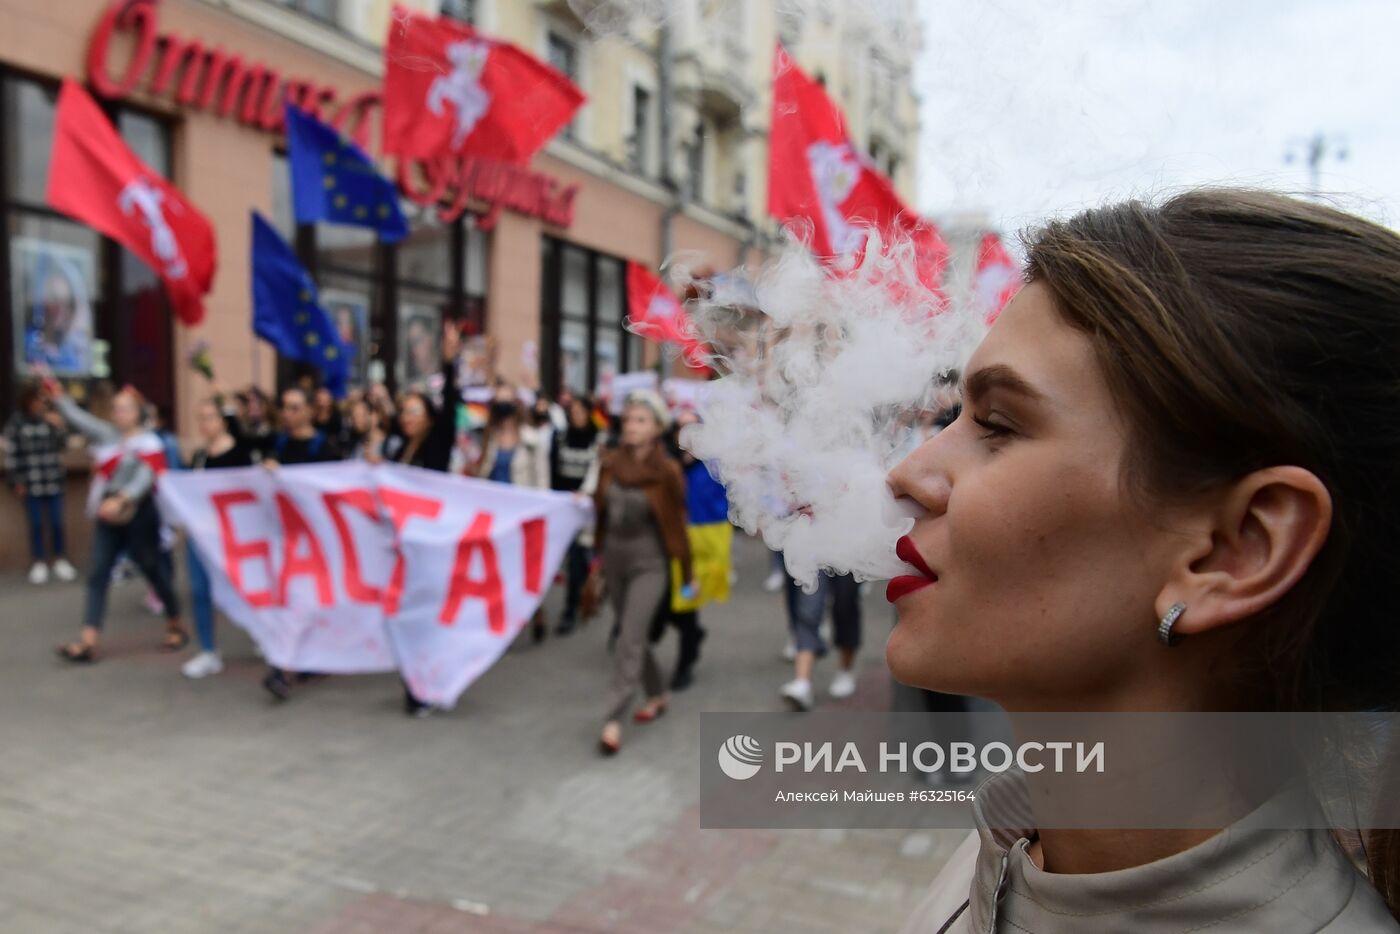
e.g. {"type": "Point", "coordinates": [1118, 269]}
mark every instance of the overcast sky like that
{"type": "Point", "coordinates": [1035, 108]}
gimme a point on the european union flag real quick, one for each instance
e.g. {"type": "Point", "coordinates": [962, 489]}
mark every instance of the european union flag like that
{"type": "Point", "coordinates": [287, 311]}
{"type": "Point", "coordinates": [333, 180]}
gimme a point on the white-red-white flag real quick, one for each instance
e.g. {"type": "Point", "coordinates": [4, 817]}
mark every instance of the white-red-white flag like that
{"type": "Point", "coordinates": [821, 186]}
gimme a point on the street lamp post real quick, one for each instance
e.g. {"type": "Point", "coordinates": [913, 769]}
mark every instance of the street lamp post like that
{"type": "Point", "coordinates": [1314, 150]}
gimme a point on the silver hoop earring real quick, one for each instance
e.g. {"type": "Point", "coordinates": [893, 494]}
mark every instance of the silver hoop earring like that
{"type": "Point", "coordinates": [1164, 628]}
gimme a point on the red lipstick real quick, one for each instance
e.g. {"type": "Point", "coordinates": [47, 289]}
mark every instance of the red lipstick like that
{"type": "Point", "coordinates": [906, 584]}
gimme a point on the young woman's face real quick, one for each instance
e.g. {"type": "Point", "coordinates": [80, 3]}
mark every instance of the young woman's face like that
{"type": "Point", "coordinates": [126, 411]}
{"type": "Point", "coordinates": [414, 418]}
{"type": "Point", "coordinates": [210, 422]}
{"type": "Point", "coordinates": [639, 426]}
{"type": "Point", "coordinates": [1047, 570]}
{"type": "Point", "coordinates": [578, 414]}
{"type": "Point", "coordinates": [360, 418]}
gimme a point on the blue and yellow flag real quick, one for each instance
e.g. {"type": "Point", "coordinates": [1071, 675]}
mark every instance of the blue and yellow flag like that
{"type": "Point", "coordinates": [333, 180]}
{"type": "Point", "coordinates": [287, 311]}
{"type": "Point", "coordinates": [711, 541]}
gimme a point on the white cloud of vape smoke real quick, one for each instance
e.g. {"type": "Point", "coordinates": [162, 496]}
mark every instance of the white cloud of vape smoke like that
{"type": "Point", "coordinates": [829, 377]}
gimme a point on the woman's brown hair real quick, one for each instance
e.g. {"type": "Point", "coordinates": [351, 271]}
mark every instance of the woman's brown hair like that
{"type": "Point", "coordinates": [1244, 329]}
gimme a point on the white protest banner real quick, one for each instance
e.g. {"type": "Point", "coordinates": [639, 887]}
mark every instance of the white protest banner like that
{"type": "Point", "coordinates": [345, 568]}
{"type": "Point", "coordinates": [683, 393]}
{"type": "Point", "coordinates": [624, 384]}
{"type": "Point", "coordinates": [479, 565]}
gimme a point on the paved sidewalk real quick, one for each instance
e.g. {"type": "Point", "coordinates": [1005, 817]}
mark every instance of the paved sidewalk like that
{"type": "Point", "coordinates": [133, 800]}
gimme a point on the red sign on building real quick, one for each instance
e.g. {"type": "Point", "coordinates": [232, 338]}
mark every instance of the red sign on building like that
{"type": "Point", "coordinates": [201, 76]}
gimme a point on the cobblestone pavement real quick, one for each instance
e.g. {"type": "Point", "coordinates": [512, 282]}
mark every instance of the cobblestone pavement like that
{"type": "Point", "coordinates": [133, 800]}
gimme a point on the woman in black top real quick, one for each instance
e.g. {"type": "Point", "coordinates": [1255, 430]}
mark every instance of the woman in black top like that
{"type": "Point", "coordinates": [222, 448]}
{"type": "Point", "coordinates": [427, 433]}
{"type": "Point", "coordinates": [425, 439]}
{"type": "Point", "coordinates": [573, 463]}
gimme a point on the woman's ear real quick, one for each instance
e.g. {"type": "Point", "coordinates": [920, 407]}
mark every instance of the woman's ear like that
{"type": "Point", "coordinates": [1253, 543]}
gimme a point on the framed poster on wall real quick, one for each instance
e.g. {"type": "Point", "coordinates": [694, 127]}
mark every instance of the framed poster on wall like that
{"type": "Point", "coordinates": [52, 285]}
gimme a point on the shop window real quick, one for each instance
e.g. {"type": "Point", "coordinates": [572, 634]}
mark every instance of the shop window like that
{"type": "Point", "coordinates": [74, 300]}
{"type": "Point", "coordinates": [425, 276]}
{"type": "Point", "coordinates": [584, 306]}
{"type": "Point", "coordinates": [389, 300]}
{"type": "Point", "coordinates": [28, 129]}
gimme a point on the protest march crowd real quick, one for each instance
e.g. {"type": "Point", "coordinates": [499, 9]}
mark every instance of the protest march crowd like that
{"type": "Point", "coordinates": [658, 551]}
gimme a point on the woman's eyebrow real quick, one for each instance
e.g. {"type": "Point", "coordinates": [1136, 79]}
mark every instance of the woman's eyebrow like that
{"type": "Point", "coordinates": [998, 376]}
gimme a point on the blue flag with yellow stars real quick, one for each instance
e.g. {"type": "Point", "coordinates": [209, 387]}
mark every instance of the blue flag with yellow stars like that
{"type": "Point", "coordinates": [333, 180]}
{"type": "Point", "coordinates": [287, 311]}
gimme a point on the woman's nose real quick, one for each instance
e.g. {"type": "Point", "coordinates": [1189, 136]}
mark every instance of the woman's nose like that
{"type": "Point", "coordinates": [923, 478]}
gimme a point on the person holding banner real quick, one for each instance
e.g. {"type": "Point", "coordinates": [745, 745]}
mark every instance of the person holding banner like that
{"type": "Point", "coordinates": [126, 517]}
{"type": "Point", "coordinates": [221, 449]}
{"type": "Point", "coordinates": [427, 436]}
{"type": "Point", "coordinates": [299, 442]}
{"type": "Point", "coordinates": [573, 468]}
{"type": "Point", "coordinates": [516, 453]}
{"type": "Point", "coordinates": [641, 513]}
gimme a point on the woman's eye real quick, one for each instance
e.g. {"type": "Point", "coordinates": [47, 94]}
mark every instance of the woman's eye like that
{"type": "Point", "coordinates": [991, 430]}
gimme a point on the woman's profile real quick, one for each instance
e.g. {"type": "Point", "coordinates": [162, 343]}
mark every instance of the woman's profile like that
{"type": "Point", "coordinates": [1171, 488]}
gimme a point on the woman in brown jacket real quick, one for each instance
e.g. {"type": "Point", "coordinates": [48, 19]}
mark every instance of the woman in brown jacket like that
{"type": "Point", "coordinates": [640, 502]}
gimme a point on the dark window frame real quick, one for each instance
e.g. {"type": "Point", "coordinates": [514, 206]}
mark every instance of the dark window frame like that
{"type": "Point", "coordinates": [641, 127]}
{"type": "Point", "coordinates": [552, 315]}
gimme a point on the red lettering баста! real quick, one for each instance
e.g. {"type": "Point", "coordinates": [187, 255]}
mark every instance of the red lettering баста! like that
{"type": "Point", "coordinates": [295, 529]}
{"type": "Point", "coordinates": [236, 552]}
{"type": "Point", "coordinates": [535, 538]}
{"type": "Point", "coordinates": [488, 588]}
{"type": "Point", "coordinates": [363, 500]}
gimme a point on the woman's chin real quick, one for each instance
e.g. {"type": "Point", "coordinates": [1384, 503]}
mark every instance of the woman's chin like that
{"type": "Point", "coordinates": [913, 660]}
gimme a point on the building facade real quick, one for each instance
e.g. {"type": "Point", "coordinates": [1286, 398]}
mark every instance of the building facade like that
{"type": "Point", "coordinates": [667, 156]}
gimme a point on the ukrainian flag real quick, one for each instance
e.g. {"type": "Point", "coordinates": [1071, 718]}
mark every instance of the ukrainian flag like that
{"type": "Point", "coordinates": [711, 541]}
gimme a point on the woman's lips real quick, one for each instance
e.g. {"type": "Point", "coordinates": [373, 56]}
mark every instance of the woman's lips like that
{"type": "Point", "coordinates": [906, 584]}
{"type": "Point", "coordinates": [909, 554]}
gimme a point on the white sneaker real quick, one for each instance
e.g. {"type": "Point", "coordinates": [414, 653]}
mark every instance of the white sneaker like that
{"type": "Point", "coordinates": [843, 685]}
{"type": "Point", "coordinates": [64, 571]}
{"type": "Point", "coordinates": [798, 694]}
{"type": "Point", "coordinates": [203, 665]}
{"type": "Point", "coordinates": [774, 582]}
{"type": "Point", "coordinates": [39, 573]}
{"type": "Point", "coordinates": [790, 651]}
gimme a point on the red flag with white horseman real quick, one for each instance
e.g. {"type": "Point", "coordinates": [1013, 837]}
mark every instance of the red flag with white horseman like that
{"type": "Point", "coordinates": [655, 313]}
{"type": "Point", "coordinates": [450, 89]}
{"type": "Point", "coordinates": [818, 181]}
{"type": "Point", "coordinates": [96, 178]}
